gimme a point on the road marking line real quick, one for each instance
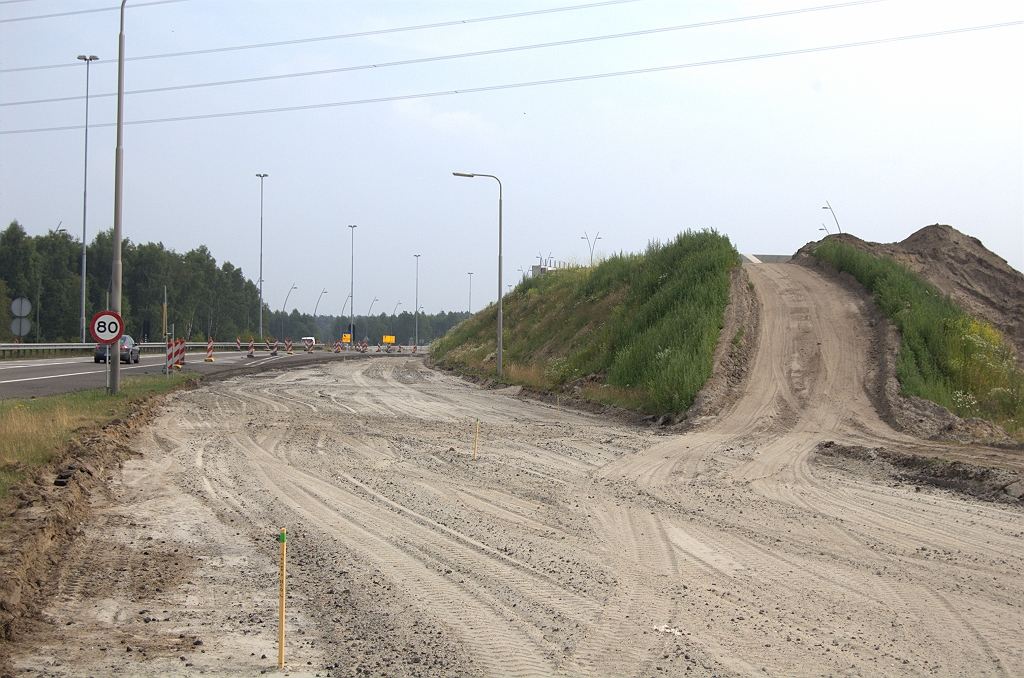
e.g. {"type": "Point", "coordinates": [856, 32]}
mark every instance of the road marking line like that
{"type": "Point", "coordinates": [72, 374]}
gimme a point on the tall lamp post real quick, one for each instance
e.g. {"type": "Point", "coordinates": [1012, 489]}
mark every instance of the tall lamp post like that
{"type": "Point", "coordinates": [471, 292]}
{"type": "Point", "coordinates": [393, 317]}
{"type": "Point", "coordinates": [417, 335]}
{"type": "Point", "coordinates": [115, 264]}
{"type": "Point", "coordinates": [367, 335]}
{"type": "Point", "coordinates": [262, 177]}
{"type": "Point", "coordinates": [500, 294]}
{"type": "Point", "coordinates": [317, 306]}
{"type": "Point", "coordinates": [85, 183]}
{"type": "Point", "coordinates": [597, 237]}
{"type": "Point", "coordinates": [352, 290]}
{"type": "Point", "coordinates": [829, 208]}
{"type": "Point", "coordinates": [283, 306]}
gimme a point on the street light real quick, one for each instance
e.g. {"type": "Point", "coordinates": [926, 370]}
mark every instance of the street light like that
{"type": "Point", "coordinates": [283, 306]}
{"type": "Point", "coordinates": [318, 305]}
{"type": "Point", "coordinates": [470, 292]}
{"type": "Point", "coordinates": [85, 182]}
{"type": "Point", "coordinates": [500, 295]}
{"type": "Point", "coordinates": [591, 246]}
{"type": "Point", "coordinates": [393, 317]}
{"type": "Point", "coordinates": [829, 208]}
{"type": "Point", "coordinates": [417, 339]}
{"type": "Point", "coordinates": [352, 291]}
{"type": "Point", "coordinates": [39, 278]}
{"type": "Point", "coordinates": [262, 177]}
{"type": "Point", "coordinates": [114, 368]}
{"type": "Point", "coordinates": [367, 335]}
{"type": "Point", "coordinates": [824, 228]}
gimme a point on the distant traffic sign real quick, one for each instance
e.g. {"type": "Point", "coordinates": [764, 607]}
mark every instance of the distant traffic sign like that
{"type": "Point", "coordinates": [21, 307]}
{"type": "Point", "coordinates": [347, 338]}
{"type": "Point", "coordinates": [389, 339]}
{"type": "Point", "coordinates": [21, 326]}
{"type": "Point", "coordinates": [107, 327]}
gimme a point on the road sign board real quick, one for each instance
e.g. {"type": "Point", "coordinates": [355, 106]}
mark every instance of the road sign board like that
{"type": "Point", "coordinates": [347, 338]}
{"type": "Point", "coordinates": [107, 327]}
{"type": "Point", "coordinates": [21, 307]}
{"type": "Point", "coordinates": [20, 326]}
{"type": "Point", "coordinates": [389, 339]}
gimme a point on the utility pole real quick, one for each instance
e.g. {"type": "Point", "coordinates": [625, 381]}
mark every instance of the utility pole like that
{"type": "Point", "coordinates": [352, 288]}
{"type": "Point", "coordinates": [85, 183]}
{"type": "Point", "coordinates": [262, 177]}
{"type": "Point", "coordinates": [115, 267]}
{"type": "Point", "coordinates": [417, 299]}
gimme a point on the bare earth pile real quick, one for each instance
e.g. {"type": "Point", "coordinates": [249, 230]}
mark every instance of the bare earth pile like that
{"type": "Point", "coordinates": [978, 280]}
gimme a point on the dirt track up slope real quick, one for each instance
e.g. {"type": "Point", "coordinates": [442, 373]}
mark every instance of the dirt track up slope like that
{"type": "Point", "coordinates": [574, 545]}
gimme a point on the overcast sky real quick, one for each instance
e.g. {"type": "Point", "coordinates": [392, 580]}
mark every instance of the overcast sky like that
{"type": "Point", "coordinates": [895, 136]}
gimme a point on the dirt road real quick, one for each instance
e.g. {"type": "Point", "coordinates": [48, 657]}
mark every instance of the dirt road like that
{"type": "Point", "coordinates": [574, 544]}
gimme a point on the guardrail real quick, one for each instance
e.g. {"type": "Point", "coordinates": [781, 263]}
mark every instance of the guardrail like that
{"type": "Point", "coordinates": [27, 350]}
{"type": "Point", "coordinates": [30, 350]}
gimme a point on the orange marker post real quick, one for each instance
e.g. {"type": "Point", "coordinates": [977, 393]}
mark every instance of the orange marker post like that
{"type": "Point", "coordinates": [283, 538]}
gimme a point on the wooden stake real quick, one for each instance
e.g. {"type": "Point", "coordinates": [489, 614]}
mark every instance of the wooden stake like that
{"type": "Point", "coordinates": [283, 538]}
{"type": "Point", "coordinates": [477, 439]}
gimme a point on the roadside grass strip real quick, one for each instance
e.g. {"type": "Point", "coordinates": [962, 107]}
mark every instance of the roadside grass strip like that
{"type": "Point", "coordinates": [947, 356]}
{"type": "Point", "coordinates": [32, 431]}
{"type": "Point", "coordinates": [636, 330]}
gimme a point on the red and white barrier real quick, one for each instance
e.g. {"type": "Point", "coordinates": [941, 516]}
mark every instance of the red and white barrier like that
{"type": "Point", "coordinates": [288, 345]}
{"type": "Point", "coordinates": [238, 344]}
{"type": "Point", "coordinates": [337, 345]}
{"type": "Point", "coordinates": [209, 350]}
{"type": "Point", "coordinates": [180, 357]}
{"type": "Point", "coordinates": [309, 345]}
{"type": "Point", "coordinates": [274, 352]}
{"type": "Point", "coordinates": [169, 364]}
{"type": "Point", "coordinates": [252, 348]}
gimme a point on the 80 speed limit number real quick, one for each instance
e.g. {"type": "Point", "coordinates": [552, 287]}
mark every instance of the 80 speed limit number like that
{"type": "Point", "coordinates": [107, 327]}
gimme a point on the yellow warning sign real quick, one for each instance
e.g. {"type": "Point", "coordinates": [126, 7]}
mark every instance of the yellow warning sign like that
{"type": "Point", "coordinates": [389, 338]}
{"type": "Point", "coordinates": [347, 338]}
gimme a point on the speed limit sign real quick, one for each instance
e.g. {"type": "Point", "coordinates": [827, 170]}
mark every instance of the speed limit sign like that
{"type": "Point", "coordinates": [107, 327]}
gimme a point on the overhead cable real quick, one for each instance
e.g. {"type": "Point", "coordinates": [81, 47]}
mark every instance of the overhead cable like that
{"type": "Point", "coordinates": [299, 41]}
{"type": "Point", "coordinates": [422, 60]}
{"type": "Point", "coordinates": [87, 11]}
{"type": "Point", "coordinates": [534, 83]}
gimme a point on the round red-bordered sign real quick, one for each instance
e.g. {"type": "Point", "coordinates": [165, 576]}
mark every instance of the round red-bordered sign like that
{"type": "Point", "coordinates": [106, 327]}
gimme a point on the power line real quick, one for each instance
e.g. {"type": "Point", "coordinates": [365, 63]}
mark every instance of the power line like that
{"type": "Point", "coordinates": [343, 36]}
{"type": "Point", "coordinates": [534, 83]}
{"type": "Point", "coordinates": [85, 11]}
{"type": "Point", "coordinates": [423, 60]}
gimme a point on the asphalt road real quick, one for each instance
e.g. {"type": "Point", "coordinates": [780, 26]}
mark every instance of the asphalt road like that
{"type": "Point", "coordinates": [49, 376]}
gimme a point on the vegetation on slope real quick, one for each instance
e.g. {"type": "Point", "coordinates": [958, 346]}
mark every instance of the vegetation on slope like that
{"type": "Point", "coordinates": [947, 356]}
{"type": "Point", "coordinates": [637, 330]}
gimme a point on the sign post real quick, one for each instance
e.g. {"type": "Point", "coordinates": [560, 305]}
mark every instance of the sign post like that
{"type": "Point", "coordinates": [107, 328]}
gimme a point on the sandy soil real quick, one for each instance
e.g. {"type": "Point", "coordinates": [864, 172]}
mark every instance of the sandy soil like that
{"type": "Point", "coordinates": [575, 544]}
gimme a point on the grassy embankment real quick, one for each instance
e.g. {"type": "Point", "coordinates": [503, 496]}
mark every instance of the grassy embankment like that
{"type": "Point", "coordinates": [33, 431]}
{"type": "Point", "coordinates": [947, 356]}
{"type": "Point", "coordinates": [638, 329]}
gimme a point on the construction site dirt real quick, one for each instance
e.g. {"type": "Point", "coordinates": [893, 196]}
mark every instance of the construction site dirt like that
{"type": "Point", "coordinates": [781, 535]}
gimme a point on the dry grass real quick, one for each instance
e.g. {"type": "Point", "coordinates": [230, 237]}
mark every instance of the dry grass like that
{"type": "Point", "coordinates": [533, 376]}
{"type": "Point", "coordinates": [33, 431]}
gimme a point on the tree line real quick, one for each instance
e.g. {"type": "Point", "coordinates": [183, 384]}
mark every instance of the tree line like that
{"type": "Point", "coordinates": [204, 299]}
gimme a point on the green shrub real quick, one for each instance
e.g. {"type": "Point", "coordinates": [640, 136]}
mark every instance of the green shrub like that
{"type": "Point", "coordinates": [645, 323]}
